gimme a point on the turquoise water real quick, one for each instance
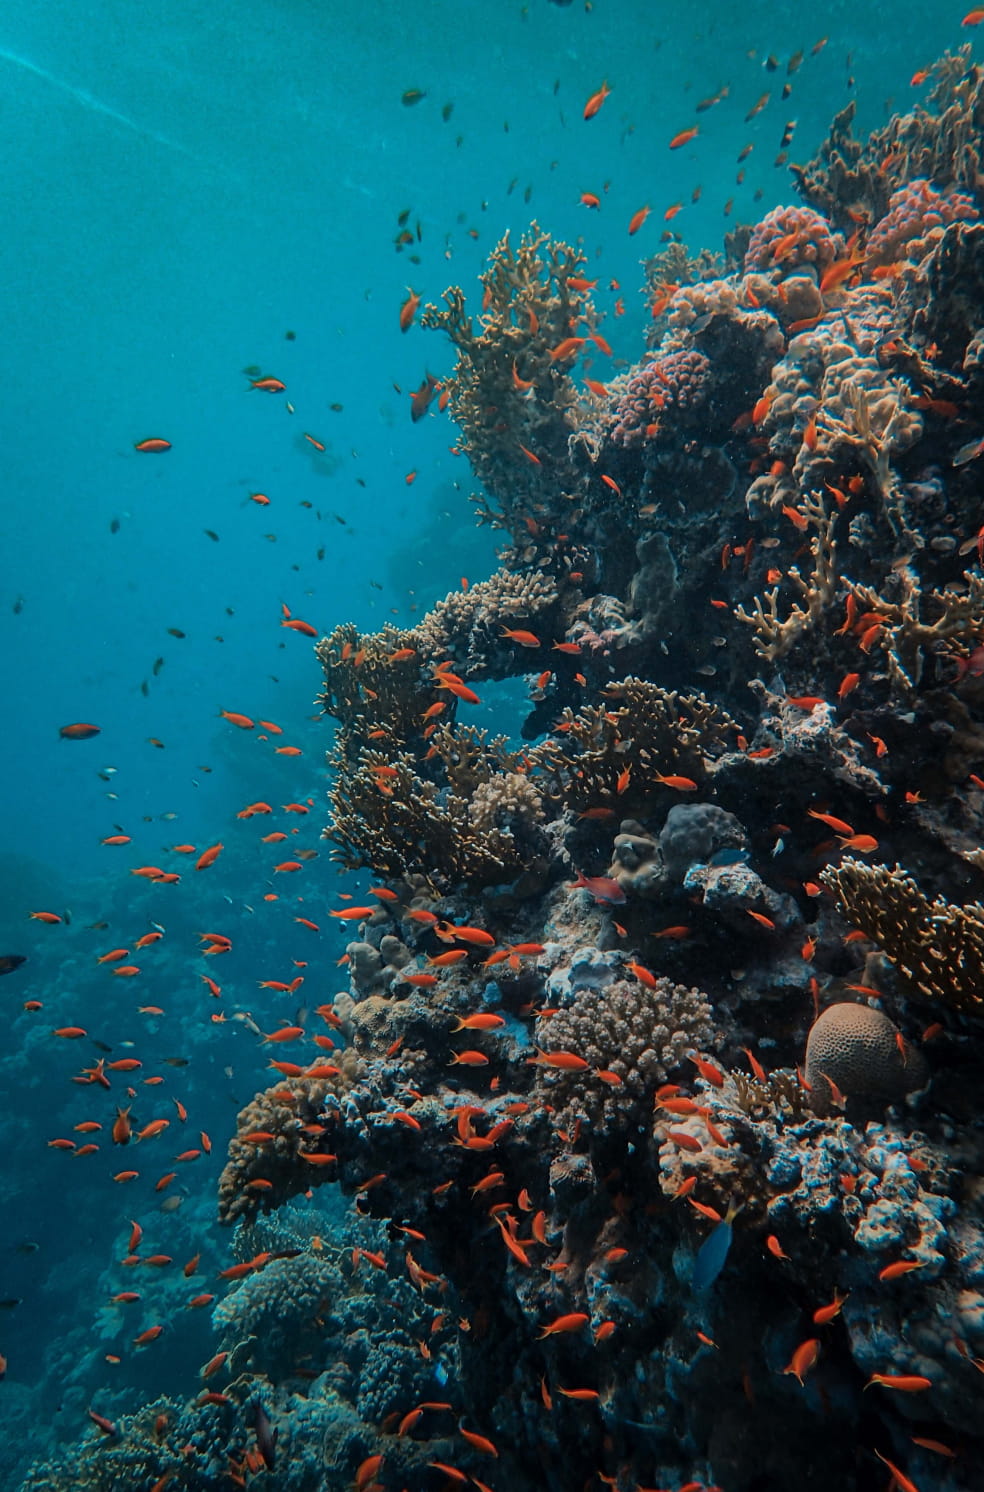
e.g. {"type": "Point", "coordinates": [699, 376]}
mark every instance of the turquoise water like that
{"type": "Point", "coordinates": [192, 191]}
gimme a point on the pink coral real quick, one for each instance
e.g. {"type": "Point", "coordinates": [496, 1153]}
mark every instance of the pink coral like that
{"type": "Point", "coordinates": [677, 381]}
{"type": "Point", "coordinates": [811, 241]}
{"type": "Point", "coordinates": [914, 211]}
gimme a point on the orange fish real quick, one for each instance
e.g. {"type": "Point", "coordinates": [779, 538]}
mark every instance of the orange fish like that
{"type": "Point", "coordinates": [566, 349]}
{"type": "Point", "coordinates": [803, 1359]}
{"type": "Point", "coordinates": [208, 857]}
{"type": "Point", "coordinates": [899, 1268]}
{"type": "Point", "coordinates": [680, 784]}
{"type": "Point", "coordinates": [524, 639]}
{"type": "Point", "coordinates": [595, 102]}
{"type": "Point", "coordinates": [904, 1483]}
{"type": "Point", "coordinates": [909, 1383]}
{"type": "Point", "coordinates": [573, 1321]}
{"type": "Point", "coordinates": [709, 1072]}
{"type": "Point", "coordinates": [152, 443]}
{"type": "Point", "coordinates": [408, 310]}
{"type": "Point", "coordinates": [684, 137]}
{"type": "Point", "coordinates": [683, 1140]}
{"type": "Point", "coordinates": [863, 843]}
{"type": "Point", "coordinates": [561, 1061]}
{"type": "Point", "coordinates": [825, 1314]}
{"type": "Point", "coordinates": [79, 731]}
{"type": "Point", "coordinates": [637, 219]}
{"type": "Point", "coordinates": [838, 825]}
{"type": "Point", "coordinates": [150, 1335]}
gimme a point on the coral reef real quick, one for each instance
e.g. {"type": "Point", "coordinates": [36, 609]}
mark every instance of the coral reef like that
{"type": "Point", "coordinates": [655, 1100]}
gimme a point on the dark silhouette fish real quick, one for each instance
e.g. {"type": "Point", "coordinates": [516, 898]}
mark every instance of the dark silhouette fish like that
{"type": "Point", "coordinates": [11, 961]}
{"type": "Point", "coordinates": [266, 1436]}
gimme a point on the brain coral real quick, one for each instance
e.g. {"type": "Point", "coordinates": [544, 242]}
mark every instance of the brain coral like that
{"type": "Point", "coordinates": [864, 1053]}
{"type": "Point", "coordinates": [811, 241]}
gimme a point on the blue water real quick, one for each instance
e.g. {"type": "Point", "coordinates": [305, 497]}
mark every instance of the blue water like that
{"type": "Point", "coordinates": [183, 186]}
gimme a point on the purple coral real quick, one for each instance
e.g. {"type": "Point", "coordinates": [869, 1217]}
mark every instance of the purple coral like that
{"type": "Point", "coordinates": [678, 381]}
{"type": "Point", "coordinates": [913, 212]}
{"type": "Point", "coordinates": [809, 241]}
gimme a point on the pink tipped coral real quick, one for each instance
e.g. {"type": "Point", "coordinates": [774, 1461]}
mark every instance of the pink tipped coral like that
{"type": "Point", "coordinates": [788, 237]}
{"type": "Point", "coordinates": [914, 211]}
{"type": "Point", "coordinates": [677, 381]}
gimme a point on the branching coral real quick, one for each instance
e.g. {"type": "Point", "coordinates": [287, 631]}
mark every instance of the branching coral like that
{"type": "Point", "coordinates": [467, 625]}
{"type": "Point", "coordinates": [936, 946]}
{"type": "Point", "coordinates": [775, 634]}
{"type": "Point", "coordinates": [904, 635]}
{"type": "Point", "coordinates": [477, 823]}
{"type": "Point", "coordinates": [511, 391]}
{"type": "Point", "coordinates": [648, 731]}
{"type": "Point", "coordinates": [635, 1035]}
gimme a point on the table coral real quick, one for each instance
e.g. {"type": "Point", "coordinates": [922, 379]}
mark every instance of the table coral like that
{"type": "Point", "coordinates": [937, 947]}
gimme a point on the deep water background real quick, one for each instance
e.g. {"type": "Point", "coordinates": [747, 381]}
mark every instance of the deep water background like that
{"type": "Point", "coordinates": [182, 186]}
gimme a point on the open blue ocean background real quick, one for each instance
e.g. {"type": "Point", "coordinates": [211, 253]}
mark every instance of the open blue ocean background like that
{"type": "Point", "coordinates": [191, 190]}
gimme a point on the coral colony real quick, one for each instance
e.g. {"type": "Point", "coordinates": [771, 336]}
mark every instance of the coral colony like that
{"type": "Point", "coordinates": [616, 1215]}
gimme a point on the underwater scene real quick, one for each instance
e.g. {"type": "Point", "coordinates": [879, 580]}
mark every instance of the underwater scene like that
{"type": "Point", "coordinates": [492, 620]}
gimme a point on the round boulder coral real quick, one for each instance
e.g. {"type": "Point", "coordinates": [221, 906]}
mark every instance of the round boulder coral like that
{"type": "Point", "coordinates": [677, 381]}
{"type": "Point", "coordinates": [788, 237]}
{"type": "Point", "coordinates": [863, 1053]}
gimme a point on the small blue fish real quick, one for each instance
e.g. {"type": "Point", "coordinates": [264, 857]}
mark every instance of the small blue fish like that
{"type": "Point", "coordinates": [712, 1254]}
{"type": "Point", "coordinates": [730, 857]}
